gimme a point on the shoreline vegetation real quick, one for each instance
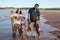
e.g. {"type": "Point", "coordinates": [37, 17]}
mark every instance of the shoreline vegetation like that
{"type": "Point", "coordinates": [26, 8]}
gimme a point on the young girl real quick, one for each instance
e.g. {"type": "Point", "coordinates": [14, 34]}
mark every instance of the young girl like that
{"type": "Point", "coordinates": [16, 25]}
{"type": "Point", "coordinates": [12, 16]}
{"type": "Point", "coordinates": [29, 33]}
{"type": "Point", "coordinates": [23, 26]}
{"type": "Point", "coordinates": [18, 13]}
{"type": "Point", "coordinates": [17, 22]}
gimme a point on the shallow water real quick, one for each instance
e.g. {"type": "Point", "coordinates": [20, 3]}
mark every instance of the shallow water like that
{"type": "Point", "coordinates": [46, 27]}
{"type": "Point", "coordinates": [6, 27]}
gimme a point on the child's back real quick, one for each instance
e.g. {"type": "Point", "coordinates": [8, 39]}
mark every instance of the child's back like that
{"type": "Point", "coordinates": [12, 16]}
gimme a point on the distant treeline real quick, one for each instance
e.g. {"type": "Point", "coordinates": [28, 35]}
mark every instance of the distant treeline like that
{"type": "Point", "coordinates": [13, 8]}
{"type": "Point", "coordinates": [7, 8]}
{"type": "Point", "coordinates": [52, 9]}
{"type": "Point", "coordinates": [25, 8]}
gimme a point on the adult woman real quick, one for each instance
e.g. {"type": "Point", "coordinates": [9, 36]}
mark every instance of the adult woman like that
{"type": "Point", "coordinates": [17, 22]}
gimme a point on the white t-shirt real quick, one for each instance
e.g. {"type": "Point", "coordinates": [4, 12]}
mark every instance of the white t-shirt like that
{"type": "Point", "coordinates": [18, 15]}
{"type": "Point", "coordinates": [17, 22]}
{"type": "Point", "coordinates": [21, 15]}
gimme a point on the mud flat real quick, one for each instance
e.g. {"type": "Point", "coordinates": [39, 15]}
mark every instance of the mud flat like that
{"type": "Point", "coordinates": [53, 17]}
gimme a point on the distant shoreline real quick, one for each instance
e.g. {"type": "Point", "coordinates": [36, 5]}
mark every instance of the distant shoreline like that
{"type": "Point", "coordinates": [26, 8]}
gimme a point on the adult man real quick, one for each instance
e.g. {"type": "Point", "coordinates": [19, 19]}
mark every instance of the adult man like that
{"type": "Point", "coordinates": [33, 15]}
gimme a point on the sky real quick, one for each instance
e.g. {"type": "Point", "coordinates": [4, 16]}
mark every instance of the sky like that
{"type": "Point", "coordinates": [30, 3]}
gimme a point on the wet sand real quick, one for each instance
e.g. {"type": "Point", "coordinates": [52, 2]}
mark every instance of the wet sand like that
{"type": "Point", "coordinates": [53, 17]}
{"type": "Point", "coordinates": [6, 27]}
{"type": "Point", "coordinates": [48, 31]}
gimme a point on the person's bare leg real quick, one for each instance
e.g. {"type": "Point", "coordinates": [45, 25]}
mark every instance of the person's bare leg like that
{"type": "Point", "coordinates": [20, 30]}
{"type": "Point", "coordinates": [14, 29]}
{"type": "Point", "coordinates": [39, 34]}
{"type": "Point", "coordinates": [23, 36]}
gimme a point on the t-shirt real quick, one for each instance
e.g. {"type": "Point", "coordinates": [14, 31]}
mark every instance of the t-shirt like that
{"type": "Point", "coordinates": [17, 22]}
{"type": "Point", "coordinates": [21, 15]}
{"type": "Point", "coordinates": [18, 15]}
{"type": "Point", "coordinates": [33, 14]}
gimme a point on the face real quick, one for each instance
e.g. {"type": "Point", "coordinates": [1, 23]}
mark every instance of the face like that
{"type": "Point", "coordinates": [19, 10]}
{"type": "Point", "coordinates": [36, 7]}
{"type": "Point", "coordinates": [22, 19]}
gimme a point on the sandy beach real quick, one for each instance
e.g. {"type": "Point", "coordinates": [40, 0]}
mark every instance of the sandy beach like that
{"type": "Point", "coordinates": [53, 17]}
{"type": "Point", "coordinates": [49, 25]}
{"type": "Point", "coordinates": [6, 27]}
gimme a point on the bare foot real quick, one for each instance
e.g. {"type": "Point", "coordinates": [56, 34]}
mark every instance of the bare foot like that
{"type": "Point", "coordinates": [39, 38]}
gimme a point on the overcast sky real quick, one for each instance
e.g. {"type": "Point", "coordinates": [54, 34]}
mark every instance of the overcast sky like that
{"type": "Point", "coordinates": [30, 3]}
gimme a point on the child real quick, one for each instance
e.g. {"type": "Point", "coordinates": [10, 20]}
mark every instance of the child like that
{"type": "Point", "coordinates": [29, 30]}
{"type": "Point", "coordinates": [23, 26]}
{"type": "Point", "coordinates": [12, 16]}
{"type": "Point", "coordinates": [17, 21]}
{"type": "Point", "coordinates": [36, 26]}
{"type": "Point", "coordinates": [17, 24]}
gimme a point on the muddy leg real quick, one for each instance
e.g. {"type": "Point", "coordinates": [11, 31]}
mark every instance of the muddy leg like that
{"type": "Point", "coordinates": [14, 29]}
{"type": "Point", "coordinates": [20, 30]}
{"type": "Point", "coordinates": [38, 34]}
